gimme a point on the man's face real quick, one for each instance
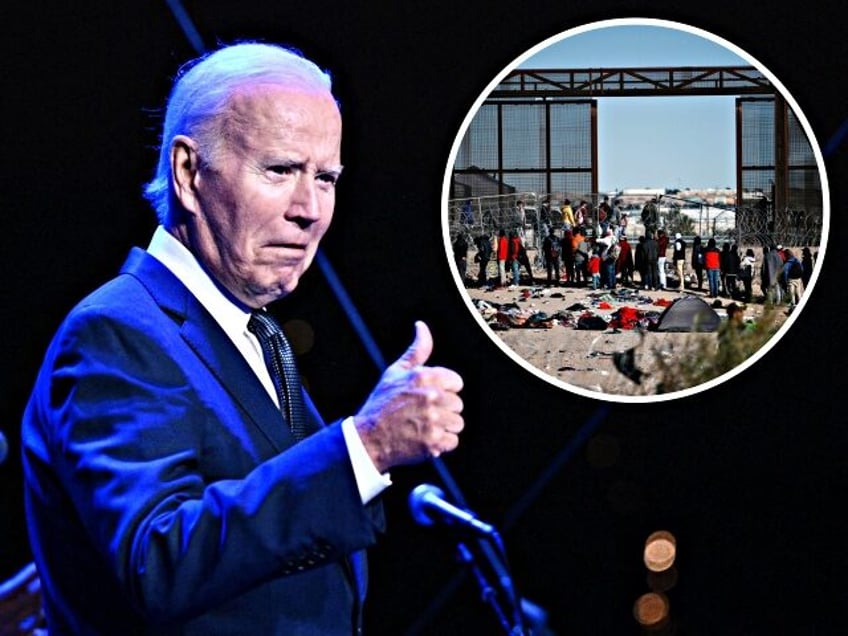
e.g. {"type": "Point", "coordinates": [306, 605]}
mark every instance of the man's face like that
{"type": "Point", "coordinates": [265, 198]}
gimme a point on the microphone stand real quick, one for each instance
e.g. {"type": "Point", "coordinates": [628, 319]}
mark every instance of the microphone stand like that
{"type": "Point", "coordinates": [510, 617]}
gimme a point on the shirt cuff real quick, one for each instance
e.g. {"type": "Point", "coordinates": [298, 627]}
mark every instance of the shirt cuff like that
{"type": "Point", "coordinates": [368, 479]}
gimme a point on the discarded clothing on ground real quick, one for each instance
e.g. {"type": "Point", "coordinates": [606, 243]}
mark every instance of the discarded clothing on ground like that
{"type": "Point", "coordinates": [687, 313]}
{"type": "Point", "coordinates": [592, 321]}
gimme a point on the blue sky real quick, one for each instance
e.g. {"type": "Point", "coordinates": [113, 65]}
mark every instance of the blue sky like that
{"type": "Point", "coordinates": [646, 142]}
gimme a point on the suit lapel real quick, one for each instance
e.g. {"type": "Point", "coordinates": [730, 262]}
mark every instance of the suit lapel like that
{"type": "Point", "coordinates": [216, 350]}
{"type": "Point", "coordinates": [357, 565]}
{"type": "Point", "coordinates": [209, 342]}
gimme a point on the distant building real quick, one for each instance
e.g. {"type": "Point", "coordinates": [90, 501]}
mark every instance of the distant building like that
{"type": "Point", "coordinates": [475, 182]}
{"type": "Point", "coordinates": [637, 197]}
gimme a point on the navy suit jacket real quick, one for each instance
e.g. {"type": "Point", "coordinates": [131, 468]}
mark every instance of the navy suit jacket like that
{"type": "Point", "coordinates": [164, 491]}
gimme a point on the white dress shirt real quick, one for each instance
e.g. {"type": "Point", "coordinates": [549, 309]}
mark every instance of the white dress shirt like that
{"type": "Point", "coordinates": [233, 320]}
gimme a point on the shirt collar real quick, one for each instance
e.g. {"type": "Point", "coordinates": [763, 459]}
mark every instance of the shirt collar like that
{"type": "Point", "coordinates": [184, 265]}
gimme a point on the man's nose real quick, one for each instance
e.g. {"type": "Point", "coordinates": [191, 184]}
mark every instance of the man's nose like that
{"type": "Point", "coordinates": [304, 202]}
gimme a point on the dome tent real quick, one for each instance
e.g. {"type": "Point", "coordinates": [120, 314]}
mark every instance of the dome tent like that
{"type": "Point", "coordinates": [688, 313]}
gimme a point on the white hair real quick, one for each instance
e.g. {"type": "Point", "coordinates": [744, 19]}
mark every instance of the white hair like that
{"type": "Point", "coordinates": [200, 96]}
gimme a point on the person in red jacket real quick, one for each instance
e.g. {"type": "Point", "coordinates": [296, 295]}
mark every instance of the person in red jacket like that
{"type": "Point", "coordinates": [503, 252]}
{"type": "Point", "coordinates": [712, 263]}
{"type": "Point", "coordinates": [593, 268]}
{"type": "Point", "coordinates": [624, 266]}
{"type": "Point", "coordinates": [514, 257]}
{"type": "Point", "coordinates": [662, 249]}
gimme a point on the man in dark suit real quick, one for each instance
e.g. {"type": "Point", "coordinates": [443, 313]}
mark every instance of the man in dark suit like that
{"type": "Point", "coordinates": [168, 489]}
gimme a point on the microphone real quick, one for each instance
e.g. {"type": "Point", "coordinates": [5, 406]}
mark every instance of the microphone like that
{"type": "Point", "coordinates": [428, 506]}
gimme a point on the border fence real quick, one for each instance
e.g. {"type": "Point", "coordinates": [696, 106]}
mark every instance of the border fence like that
{"type": "Point", "coordinates": [525, 152]}
{"type": "Point", "coordinates": [534, 215]}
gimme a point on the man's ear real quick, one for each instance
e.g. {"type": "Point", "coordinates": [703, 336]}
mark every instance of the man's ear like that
{"type": "Point", "coordinates": [184, 171]}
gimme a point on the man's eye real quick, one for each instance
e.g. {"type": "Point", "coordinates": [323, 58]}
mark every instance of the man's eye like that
{"type": "Point", "coordinates": [281, 169]}
{"type": "Point", "coordinates": [327, 178]}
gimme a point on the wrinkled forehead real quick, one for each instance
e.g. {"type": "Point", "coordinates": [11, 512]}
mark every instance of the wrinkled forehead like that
{"type": "Point", "coordinates": [263, 115]}
{"type": "Point", "coordinates": [262, 102]}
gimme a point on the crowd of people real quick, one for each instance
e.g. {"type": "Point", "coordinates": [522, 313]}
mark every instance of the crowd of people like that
{"type": "Point", "coordinates": [600, 255]}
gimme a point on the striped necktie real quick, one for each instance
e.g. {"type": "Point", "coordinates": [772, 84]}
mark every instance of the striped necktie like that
{"type": "Point", "coordinates": [281, 363]}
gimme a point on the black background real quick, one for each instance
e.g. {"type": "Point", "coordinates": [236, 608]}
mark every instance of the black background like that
{"type": "Point", "coordinates": [749, 475]}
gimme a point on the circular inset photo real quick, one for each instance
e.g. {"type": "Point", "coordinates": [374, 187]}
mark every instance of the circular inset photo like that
{"type": "Point", "coordinates": [635, 210]}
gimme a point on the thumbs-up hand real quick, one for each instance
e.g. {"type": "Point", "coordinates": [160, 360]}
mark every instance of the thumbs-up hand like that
{"type": "Point", "coordinates": [414, 412]}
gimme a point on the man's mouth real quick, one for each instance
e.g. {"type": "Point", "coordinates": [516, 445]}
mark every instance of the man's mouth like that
{"type": "Point", "coordinates": [289, 246]}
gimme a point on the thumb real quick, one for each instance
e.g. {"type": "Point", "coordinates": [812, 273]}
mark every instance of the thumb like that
{"type": "Point", "coordinates": [420, 349]}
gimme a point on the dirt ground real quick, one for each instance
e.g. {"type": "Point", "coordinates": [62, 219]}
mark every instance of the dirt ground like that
{"type": "Point", "coordinates": [582, 359]}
